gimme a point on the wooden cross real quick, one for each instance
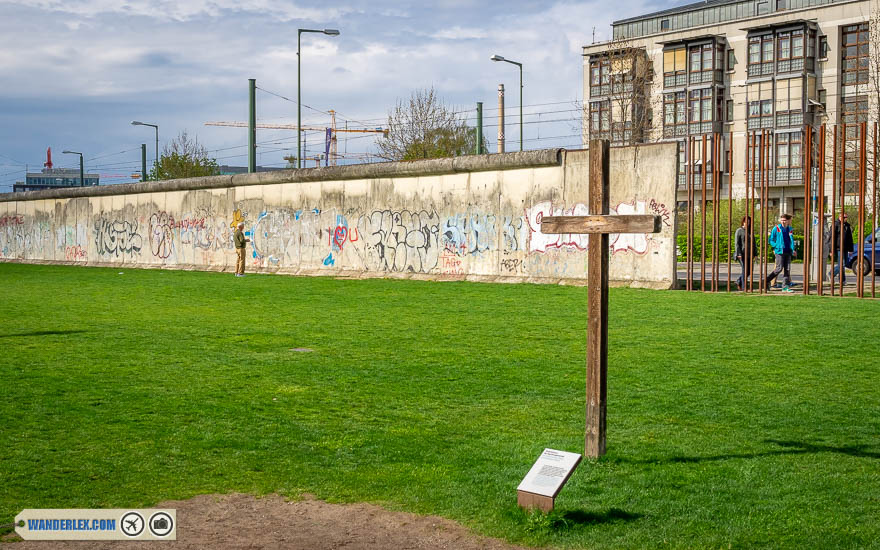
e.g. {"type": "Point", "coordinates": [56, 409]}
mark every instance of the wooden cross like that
{"type": "Point", "coordinates": [598, 224]}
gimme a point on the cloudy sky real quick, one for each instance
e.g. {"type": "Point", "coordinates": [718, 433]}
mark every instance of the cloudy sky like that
{"type": "Point", "coordinates": [76, 72]}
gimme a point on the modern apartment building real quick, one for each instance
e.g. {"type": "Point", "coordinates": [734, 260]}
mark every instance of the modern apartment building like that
{"type": "Point", "coordinates": [732, 67]}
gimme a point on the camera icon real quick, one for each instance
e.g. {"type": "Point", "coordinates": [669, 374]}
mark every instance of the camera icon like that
{"type": "Point", "coordinates": [161, 524]}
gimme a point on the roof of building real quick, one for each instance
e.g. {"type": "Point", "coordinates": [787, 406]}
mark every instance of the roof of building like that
{"type": "Point", "coordinates": [677, 9]}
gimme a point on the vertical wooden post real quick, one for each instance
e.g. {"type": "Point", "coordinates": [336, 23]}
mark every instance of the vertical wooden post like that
{"type": "Point", "coordinates": [597, 317]}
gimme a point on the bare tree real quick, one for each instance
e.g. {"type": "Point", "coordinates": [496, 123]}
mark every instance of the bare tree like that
{"type": "Point", "coordinates": [424, 127]}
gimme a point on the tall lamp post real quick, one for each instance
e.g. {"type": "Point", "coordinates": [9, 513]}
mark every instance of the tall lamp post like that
{"type": "Point", "coordinates": [499, 58]}
{"type": "Point", "coordinates": [82, 179]}
{"type": "Point", "coordinates": [139, 123]}
{"type": "Point", "coordinates": [330, 32]}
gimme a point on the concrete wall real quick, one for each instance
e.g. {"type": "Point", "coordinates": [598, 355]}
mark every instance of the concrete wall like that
{"type": "Point", "coordinates": [475, 218]}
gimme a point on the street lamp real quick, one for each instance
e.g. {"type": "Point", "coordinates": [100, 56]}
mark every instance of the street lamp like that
{"type": "Point", "coordinates": [329, 32]}
{"type": "Point", "coordinates": [139, 123]}
{"type": "Point", "coordinates": [82, 180]}
{"type": "Point", "coordinates": [499, 58]}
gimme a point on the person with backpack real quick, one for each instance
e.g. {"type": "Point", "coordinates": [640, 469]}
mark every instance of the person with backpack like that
{"type": "Point", "coordinates": [743, 253]}
{"type": "Point", "coordinates": [783, 246]}
{"type": "Point", "coordinates": [832, 243]}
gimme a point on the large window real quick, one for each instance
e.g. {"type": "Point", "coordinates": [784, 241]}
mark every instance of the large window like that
{"type": "Point", "coordinates": [854, 110]}
{"type": "Point", "coordinates": [789, 165]}
{"type": "Point", "coordinates": [789, 102]}
{"type": "Point", "coordinates": [855, 55]}
{"type": "Point", "coordinates": [790, 51]}
{"type": "Point", "coordinates": [675, 68]}
{"type": "Point", "coordinates": [760, 55]}
{"type": "Point", "coordinates": [600, 119]}
{"type": "Point", "coordinates": [674, 115]}
{"type": "Point", "coordinates": [760, 105]}
{"type": "Point", "coordinates": [600, 77]}
{"type": "Point", "coordinates": [704, 60]}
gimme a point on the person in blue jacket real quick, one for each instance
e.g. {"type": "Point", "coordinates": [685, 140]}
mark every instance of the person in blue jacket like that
{"type": "Point", "coordinates": [783, 246]}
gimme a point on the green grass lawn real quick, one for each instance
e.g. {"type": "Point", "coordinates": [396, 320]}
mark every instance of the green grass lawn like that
{"type": "Point", "coordinates": [743, 421]}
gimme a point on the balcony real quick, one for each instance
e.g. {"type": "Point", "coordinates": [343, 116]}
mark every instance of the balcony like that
{"type": "Point", "coordinates": [760, 69]}
{"type": "Point", "coordinates": [675, 80]}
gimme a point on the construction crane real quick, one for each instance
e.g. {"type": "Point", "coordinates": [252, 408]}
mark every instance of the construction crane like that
{"type": "Point", "coordinates": [330, 142]}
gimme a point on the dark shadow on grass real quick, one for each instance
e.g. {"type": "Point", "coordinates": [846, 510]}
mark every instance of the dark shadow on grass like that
{"type": "Point", "coordinates": [791, 448]}
{"type": "Point", "coordinates": [41, 333]}
{"type": "Point", "coordinates": [583, 517]}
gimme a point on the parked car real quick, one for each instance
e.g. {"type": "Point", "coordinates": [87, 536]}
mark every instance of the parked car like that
{"type": "Point", "coordinates": [870, 244]}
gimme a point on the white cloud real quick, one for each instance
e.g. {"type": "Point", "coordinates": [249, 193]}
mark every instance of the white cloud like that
{"type": "Point", "coordinates": [183, 11]}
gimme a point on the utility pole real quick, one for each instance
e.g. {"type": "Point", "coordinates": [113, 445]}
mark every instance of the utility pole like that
{"type": "Point", "coordinates": [143, 162]}
{"type": "Point", "coordinates": [252, 126]}
{"type": "Point", "coordinates": [501, 118]}
{"type": "Point", "coordinates": [479, 127]}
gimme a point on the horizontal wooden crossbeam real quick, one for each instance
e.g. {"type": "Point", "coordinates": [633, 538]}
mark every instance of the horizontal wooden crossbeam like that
{"type": "Point", "coordinates": [601, 224]}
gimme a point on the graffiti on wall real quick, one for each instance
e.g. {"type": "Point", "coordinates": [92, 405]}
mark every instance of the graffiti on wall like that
{"type": "Point", "coordinates": [74, 253]}
{"type": "Point", "coordinates": [540, 242]}
{"type": "Point", "coordinates": [117, 237]}
{"type": "Point", "coordinates": [464, 234]}
{"type": "Point", "coordinates": [161, 234]}
{"type": "Point", "coordinates": [400, 241]}
{"type": "Point", "coordinates": [6, 221]}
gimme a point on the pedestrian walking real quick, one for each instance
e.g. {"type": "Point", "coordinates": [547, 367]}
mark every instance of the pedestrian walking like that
{"type": "Point", "coordinates": [744, 253]}
{"type": "Point", "coordinates": [240, 243]}
{"type": "Point", "coordinates": [832, 243]}
{"type": "Point", "coordinates": [783, 247]}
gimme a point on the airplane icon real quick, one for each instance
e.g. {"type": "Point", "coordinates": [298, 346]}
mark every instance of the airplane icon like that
{"type": "Point", "coordinates": [132, 524]}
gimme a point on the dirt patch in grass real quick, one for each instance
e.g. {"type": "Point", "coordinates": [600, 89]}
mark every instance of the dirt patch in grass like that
{"type": "Point", "coordinates": [244, 521]}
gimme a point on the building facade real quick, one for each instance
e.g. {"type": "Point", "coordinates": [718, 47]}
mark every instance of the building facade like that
{"type": "Point", "coordinates": [731, 68]}
{"type": "Point", "coordinates": [53, 178]}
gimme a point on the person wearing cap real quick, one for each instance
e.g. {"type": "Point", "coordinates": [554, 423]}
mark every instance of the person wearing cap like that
{"type": "Point", "coordinates": [240, 243]}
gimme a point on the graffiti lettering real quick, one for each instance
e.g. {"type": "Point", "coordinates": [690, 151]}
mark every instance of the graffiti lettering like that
{"type": "Point", "coordinates": [74, 253]}
{"type": "Point", "coordinates": [450, 263]}
{"type": "Point", "coordinates": [400, 241]}
{"type": "Point", "coordinates": [539, 242]}
{"type": "Point", "coordinates": [161, 234]}
{"type": "Point", "coordinates": [117, 237]}
{"type": "Point", "coordinates": [11, 220]}
{"type": "Point", "coordinates": [660, 210]}
{"type": "Point", "coordinates": [512, 265]}
{"type": "Point", "coordinates": [468, 234]}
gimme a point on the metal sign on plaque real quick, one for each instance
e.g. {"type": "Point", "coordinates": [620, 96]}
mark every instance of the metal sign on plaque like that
{"type": "Point", "coordinates": [546, 478]}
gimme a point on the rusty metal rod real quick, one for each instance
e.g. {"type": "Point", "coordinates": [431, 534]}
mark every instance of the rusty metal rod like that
{"type": "Point", "coordinates": [863, 167]}
{"type": "Point", "coordinates": [750, 203]}
{"type": "Point", "coordinates": [690, 205]}
{"type": "Point", "coordinates": [821, 206]}
{"type": "Point", "coordinates": [730, 247]}
{"type": "Point", "coordinates": [703, 216]}
{"type": "Point", "coordinates": [716, 194]}
{"type": "Point", "coordinates": [833, 204]}
{"type": "Point", "coordinates": [807, 146]}
{"type": "Point", "coordinates": [841, 253]}
{"type": "Point", "coordinates": [762, 284]}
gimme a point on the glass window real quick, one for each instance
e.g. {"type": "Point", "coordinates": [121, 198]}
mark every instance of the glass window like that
{"type": "Point", "coordinates": [767, 50]}
{"type": "Point", "coordinates": [664, 25]}
{"type": "Point", "coordinates": [797, 44]}
{"type": "Point", "coordinates": [731, 59]}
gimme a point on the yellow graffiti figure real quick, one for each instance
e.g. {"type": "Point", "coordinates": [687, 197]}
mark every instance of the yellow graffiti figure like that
{"type": "Point", "coordinates": [237, 218]}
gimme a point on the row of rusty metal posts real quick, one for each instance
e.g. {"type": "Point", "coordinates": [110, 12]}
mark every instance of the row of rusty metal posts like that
{"type": "Point", "coordinates": [818, 172]}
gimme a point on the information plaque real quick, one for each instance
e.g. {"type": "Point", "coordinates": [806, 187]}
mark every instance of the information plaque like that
{"type": "Point", "coordinates": [546, 478]}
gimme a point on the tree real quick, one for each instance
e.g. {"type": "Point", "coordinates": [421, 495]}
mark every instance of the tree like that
{"type": "Point", "coordinates": [423, 127]}
{"type": "Point", "coordinates": [184, 157]}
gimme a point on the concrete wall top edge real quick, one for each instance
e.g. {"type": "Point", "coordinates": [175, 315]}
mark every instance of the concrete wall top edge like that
{"type": "Point", "coordinates": [470, 163]}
